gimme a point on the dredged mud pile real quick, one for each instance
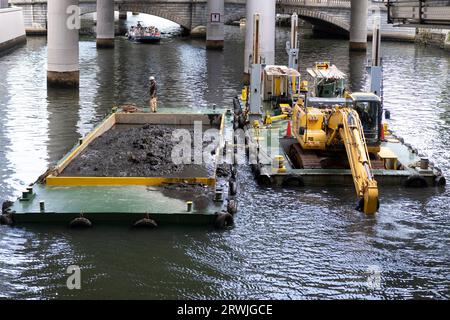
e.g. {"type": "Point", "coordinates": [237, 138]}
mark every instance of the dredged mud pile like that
{"type": "Point", "coordinates": [135, 152]}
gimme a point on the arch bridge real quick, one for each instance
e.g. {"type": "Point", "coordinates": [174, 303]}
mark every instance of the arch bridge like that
{"type": "Point", "coordinates": [330, 16]}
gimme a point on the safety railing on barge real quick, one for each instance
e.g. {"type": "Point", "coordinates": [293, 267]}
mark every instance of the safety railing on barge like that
{"type": "Point", "coordinates": [317, 3]}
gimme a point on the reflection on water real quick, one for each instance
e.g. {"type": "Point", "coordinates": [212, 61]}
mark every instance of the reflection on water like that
{"type": "Point", "coordinates": [287, 243]}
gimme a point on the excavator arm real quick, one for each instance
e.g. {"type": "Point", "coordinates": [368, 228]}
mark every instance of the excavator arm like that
{"type": "Point", "coordinates": [345, 122]}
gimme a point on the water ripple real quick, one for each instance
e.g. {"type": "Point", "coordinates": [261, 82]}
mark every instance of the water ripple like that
{"type": "Point", "coordinates": [287, 244]}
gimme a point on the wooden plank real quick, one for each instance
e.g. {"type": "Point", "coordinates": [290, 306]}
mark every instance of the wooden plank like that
{"type": "Point", "coordinates": [98, 131]}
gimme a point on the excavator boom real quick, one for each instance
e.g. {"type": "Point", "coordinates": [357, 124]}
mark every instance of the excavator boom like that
{"type": "Point", "coordinates": [327, 129]}
{"type": "Point", "coordinates": [352, 135]}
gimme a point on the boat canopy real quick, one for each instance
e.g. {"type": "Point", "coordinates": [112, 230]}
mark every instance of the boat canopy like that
{"type": "Point", "coordinates": [326, 72]}
{"type": "Point", "coordinates": [280, 71]}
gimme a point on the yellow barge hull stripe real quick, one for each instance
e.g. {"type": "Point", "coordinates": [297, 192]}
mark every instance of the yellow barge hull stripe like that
{"type": "Point", "coordinates": [123, 181]}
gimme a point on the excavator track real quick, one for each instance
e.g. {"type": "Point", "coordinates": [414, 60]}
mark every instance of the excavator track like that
{"type": "Point", "coordinates": [304, 159]}
{"type": "Point", "coordinates": [309, 159]}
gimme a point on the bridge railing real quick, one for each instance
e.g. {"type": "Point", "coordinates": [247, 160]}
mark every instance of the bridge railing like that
{"type": "Point", "coordinates": [317, 3]}
{"type": "Point", "coordinates": [433, 12]}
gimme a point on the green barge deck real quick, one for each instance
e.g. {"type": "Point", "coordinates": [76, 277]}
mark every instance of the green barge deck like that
{"type": "Point", "coordinates": [172, 199]}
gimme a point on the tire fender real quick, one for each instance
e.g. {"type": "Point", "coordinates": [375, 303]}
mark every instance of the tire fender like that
{"type": "Point", "coordinates": [232, 207]}
{"type": "Point", "coordinates": [293, 182]}
{"type": "Point", "coordinates": [440, 181]}
{"type": "Point", "coordinates": [7, 219]}
{"type": "Point", "coordinates": [223, 221]}
{"type": "Point", "coordinates": [145, 223]}
{"type": "Point", "coordinates": [80, 223]}
{"type": "Point", "coordinates": [416, 181]}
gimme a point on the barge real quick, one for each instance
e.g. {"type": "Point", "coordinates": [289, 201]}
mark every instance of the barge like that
{"type": "Point", "coordinates": [325, 135]}
{"type": "Point", "coordinates": [186, 194]}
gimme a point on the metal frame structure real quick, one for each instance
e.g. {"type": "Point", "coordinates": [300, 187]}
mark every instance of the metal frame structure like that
{"type": "Point", "coordinates": [419, 12]}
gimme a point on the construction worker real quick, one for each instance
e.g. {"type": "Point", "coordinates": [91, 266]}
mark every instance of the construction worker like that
{"type": "Point", "coordinates": [153, 90]}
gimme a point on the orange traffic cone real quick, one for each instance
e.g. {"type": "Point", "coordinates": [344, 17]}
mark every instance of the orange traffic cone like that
{"type": "Point", "coordinates": [288, 130]}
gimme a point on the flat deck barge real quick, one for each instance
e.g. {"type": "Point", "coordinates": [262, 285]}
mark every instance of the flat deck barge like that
{"type": "Point", "coordinates": [187, 197]}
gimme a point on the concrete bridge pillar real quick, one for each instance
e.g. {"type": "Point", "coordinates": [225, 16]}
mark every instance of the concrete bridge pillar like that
{"type": "Point", "coordinates": [122, 15]}
{"type": "Point", "coordinates": [267, 12]}
{"type": "Point", "coordinates": [62, 57]}
{"type": "Point", "coordinates": [105, 23]}
{"type": "Point", "coordinates": [358, 25]}
{"type": "Point", "coordinates": [215, 25]}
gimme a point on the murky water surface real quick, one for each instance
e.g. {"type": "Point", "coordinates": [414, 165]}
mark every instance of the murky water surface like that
{"type": "Point", "coordinates": [307, 243]}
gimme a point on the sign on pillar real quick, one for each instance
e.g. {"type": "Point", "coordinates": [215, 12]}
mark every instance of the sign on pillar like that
{"type": "Point", "coordinates": [215, 17]}
{"type": "Point", "coordinates": [215, 28]}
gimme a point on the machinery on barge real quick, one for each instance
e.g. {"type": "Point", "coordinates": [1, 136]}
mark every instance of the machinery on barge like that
{"type": "Point", "coordinates": [338, 137]}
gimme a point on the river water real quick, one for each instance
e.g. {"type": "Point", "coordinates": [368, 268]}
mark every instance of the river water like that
{"type": "Point", "coordinates": [287, 244]}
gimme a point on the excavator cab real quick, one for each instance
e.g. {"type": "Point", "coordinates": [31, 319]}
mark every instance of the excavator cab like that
{"type": "Point", "coordinates": [327, 130]}
{"type": "Point", "coordinates": [368, 107]}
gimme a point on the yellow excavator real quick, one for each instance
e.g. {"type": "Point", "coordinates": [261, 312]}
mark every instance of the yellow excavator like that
{"type": "Point", "coordinates": [330, 128]}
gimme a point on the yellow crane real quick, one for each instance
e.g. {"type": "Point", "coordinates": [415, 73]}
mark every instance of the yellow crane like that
{"type": "Point", "coordinates": [328, 129]}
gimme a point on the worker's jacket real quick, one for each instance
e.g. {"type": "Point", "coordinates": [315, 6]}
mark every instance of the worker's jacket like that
{"type": "Point", "coordinates": [153, 90]}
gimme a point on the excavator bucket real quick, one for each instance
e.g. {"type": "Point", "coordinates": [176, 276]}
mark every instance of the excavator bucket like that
{"type": "Point", "coordinates": [371, 202]}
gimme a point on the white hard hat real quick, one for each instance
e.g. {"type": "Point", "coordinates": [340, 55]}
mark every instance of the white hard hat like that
{"type": "Point", "coordinates": [152, 78]}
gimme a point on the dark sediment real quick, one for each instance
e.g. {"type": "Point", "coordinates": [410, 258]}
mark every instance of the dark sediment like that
{"type": "Point", "coordinates": [201, 195]}
{"type": "Point", "coordinates": [143, 151]}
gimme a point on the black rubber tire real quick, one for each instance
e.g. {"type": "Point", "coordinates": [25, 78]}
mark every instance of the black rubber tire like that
{"type": "Point", "coordinates": [7, 219]}
{"type": "Point", "coordinates": [6, 205]}
{"type": "Point", "coordinates": [241, 122]}
{"type": "Point", "coordinates": [232, 207]}
{"type": "Point", "coordinates": [232, 190]}
{"type": "Point", "coordinates": [237, 106]}
{"type": "Point", "coordinates": [293, 182]}
{"type": "Point", "coordinates": [257, 171]}
{"type": "Point", "coordinates": [80, 223]}
{"type": "Point", "coordinates": [440, 181]}
{"type": "Point", "coordinates": [264, 180]}
{"type": "Point", "coordinates": [146, 223]}
{"type": "Point", "coordinates": [416, 181]}
{"type": "Point", "coordinates": [234, 172]}
{"type": "Point", "coordinates": [247, 148]}
{"type": "Point", "coordinates": [223, 221]}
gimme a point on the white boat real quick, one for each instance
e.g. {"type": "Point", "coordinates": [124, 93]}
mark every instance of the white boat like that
{"type": "Point", "coordinates": [144, 34]}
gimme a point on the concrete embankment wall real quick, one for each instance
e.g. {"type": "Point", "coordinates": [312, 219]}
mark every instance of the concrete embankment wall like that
{"type": "Point", "coordinates": [447, 41]}
{"type": "Point", "coordinates": [434, 37]}
{"type": "Point", "coordinates": [12, 29]}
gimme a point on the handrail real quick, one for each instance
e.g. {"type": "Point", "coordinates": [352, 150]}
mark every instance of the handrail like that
{"type": "Point", "coordinates": [419, 11]}
{"type": "Point", "coordinates": [317, 3]}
